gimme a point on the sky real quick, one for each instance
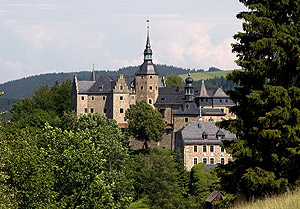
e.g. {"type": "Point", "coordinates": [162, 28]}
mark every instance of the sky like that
{"type": "Point", "coordinates": [45, 36]}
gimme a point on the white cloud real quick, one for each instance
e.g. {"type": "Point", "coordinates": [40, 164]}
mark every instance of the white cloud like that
{"type": "Point", "coordinates": [188, 44]}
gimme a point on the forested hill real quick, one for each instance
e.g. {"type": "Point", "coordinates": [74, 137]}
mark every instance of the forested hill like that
{"type": "Point", "coordinates": [24, 87]}
{"type": "Point", "coordinates": [21, 88]}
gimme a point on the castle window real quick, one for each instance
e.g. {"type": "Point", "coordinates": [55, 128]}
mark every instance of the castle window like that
{"type": "Point", "coordinates": [204, 148]}
{"type": "Point", "coordinates": [222, 149]}
{"type": "Point", "coordinates": [93, 98]}
{"type": "Point", "coordinates": [104, 98]}
{"type": "Point", "coordinates": [204, 134]}
{"type": "Point", "coordinates": [100, 88]}
{"type": "Point", "coordinates": [220, 100]}
{"type": "Point", "coordinates": [121, 97]}
{"type": "Point", "coordinates": [163, 98]}
{"type": "Point", "coordinates": [121, 87]}
{"type": "Point", "coordinates": [104, 110]}
{"type": "Point", "coordinates": [195, 148]}
{"type": "Point", "coordinates": [156, 87]}
{"type": "Point", "coordinates": [222, 161]}
{"type": "Point", "coordinates": [206, 100]}
{"type": "Point", "coordinates": [201, 100]}
{"type": "Point", "coordinates": [226, 100]}
{"type": "Point", "coordinates": [142, 76]}
{"type": "Point", "coordinates": [222, 110]}
{"type": "Point", "coordinates": [204, 160]}
{"type": "Point", "coordinates": [162, 112]}
{"type": "Point", "coordinates": [211, 148]}
{"type": "Point", "coordinates": [92, 110]}
{"type": "Point", "coordinates": [212, 161]}
{"type": "Point", "coordinates": [195, 161]}
{"type": "Point", "coordinates": [85, 110]}
{"type": "Point", "coordinates": [186, 120]}
{"type": "Point", "coordinates": [121, 110]}
{"type": "Point", "coordinates": [150, 76]}
{"type": "Point", "coordinates": [150, 87]}
{"type": "Point", "coordinates": [150, 101]}
{"type": "Point", "coordinates": [82, 98]}
{"type": "Point", "coordinates": [142, 87]}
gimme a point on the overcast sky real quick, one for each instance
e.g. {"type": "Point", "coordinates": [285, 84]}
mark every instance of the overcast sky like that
{"type": "Point", "coordinates": [42, 36]}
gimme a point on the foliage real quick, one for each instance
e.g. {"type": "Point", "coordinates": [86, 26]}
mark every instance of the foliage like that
{"type": "Point", "coordinates": [158, 178]}
{"type": "Point", "coordinates": [174, 81]}
{"type": "Point", "coordinates": [213, 69]}
{"type": "Point", "coordinates": [145, 123]}
{"type": "Point", "coordinates": [266, 152]}
{"type": "Point", "coordinates": [202, 183]}
{"type": "Point", "coordinates": [54, 168]}
{"type": "Point", "coordinates": [54, 100]}
{"type": "Point", "coordinates": [215, 83]}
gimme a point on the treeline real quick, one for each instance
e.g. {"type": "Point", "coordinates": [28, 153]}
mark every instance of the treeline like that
{"type": "Point", "coordinates": [50, 158]}
{"type": "Point", "coordinates": [21, 88]}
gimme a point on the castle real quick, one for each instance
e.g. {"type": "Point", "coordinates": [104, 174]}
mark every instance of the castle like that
{"type": "Point", "coordinates": [178, 106]}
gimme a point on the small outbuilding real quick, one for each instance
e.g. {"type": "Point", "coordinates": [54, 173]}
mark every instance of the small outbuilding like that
{"type": "Point", "coordinates": [211, 200]}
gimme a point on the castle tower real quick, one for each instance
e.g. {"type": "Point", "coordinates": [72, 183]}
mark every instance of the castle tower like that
{"type": "Point", "coordinates": [146, 81]}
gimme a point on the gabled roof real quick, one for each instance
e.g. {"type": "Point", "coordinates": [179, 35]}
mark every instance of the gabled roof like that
{"type": "Point", "coordinates": [103, 84]}
{"type": "Point", "coordinates": [212, 196]}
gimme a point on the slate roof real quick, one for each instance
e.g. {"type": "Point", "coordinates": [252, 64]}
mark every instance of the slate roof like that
{"type": "Point", "coordinates": [212, 112]}
{"type": "Point", "coordinates": [208, 167]}
{"type": "Point", "coordinates": [192, 133]}
{"type": "Point", "coordinates": [103, 84]}
{"type": "Point", "coordinates": [147, 68]}
{"type": "Point", "coordinates": [168, 95]}
{"type": "Point", "coordinates": [188, 108]}
{"type": "Point", "coordinates": [220, 93]}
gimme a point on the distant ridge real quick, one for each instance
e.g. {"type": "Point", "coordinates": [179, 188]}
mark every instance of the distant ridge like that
{"type": "Point", "coordinates": [21, 88]}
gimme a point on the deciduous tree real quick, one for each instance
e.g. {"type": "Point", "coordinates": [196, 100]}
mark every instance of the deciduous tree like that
{"type": "Point", "coordinates": [145, 123]}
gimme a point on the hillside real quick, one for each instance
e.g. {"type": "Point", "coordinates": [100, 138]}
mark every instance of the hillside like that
{"type": "Point", "coordinates": [207, 75]}
{"type": "Point", "coordinates": [290, 200]}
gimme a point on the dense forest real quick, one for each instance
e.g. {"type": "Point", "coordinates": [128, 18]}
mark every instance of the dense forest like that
{"type": "Point", "coordinates": [50, 158]}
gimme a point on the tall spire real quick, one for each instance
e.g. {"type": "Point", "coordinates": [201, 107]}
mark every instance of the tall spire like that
{"type": "Point", "coordinates": [147, 68]}
{"type": "Point", "coordinates": [93, 76]}
{"type": "Point", "coordinates": [203, 92]}
{"type": "Point", "coordinates": [148, 50]}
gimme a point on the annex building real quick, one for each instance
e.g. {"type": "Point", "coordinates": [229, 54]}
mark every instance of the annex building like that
{"type": "Point", "coordinates": [112, 96]}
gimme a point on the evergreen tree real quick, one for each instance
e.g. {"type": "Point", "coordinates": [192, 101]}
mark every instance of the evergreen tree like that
{"type": "Point", "coordinates": [266, 151]}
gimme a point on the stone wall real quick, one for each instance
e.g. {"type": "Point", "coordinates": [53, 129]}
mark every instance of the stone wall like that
{"type": "Point", "coordinates": [146, 88]}
{"type": "Point", "coordinates": [189, 155]}
{"type": "Point", "coordinates": [120, 100]}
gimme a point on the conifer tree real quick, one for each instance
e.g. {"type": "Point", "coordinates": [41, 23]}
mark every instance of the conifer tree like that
{"type": "Point", "coordinates": [266, 151]}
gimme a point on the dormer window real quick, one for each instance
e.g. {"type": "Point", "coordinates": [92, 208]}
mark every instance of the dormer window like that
{"type": "Point", "coordinates": [121, 87]}
{"type": "Point", "coordinates": [100, 88]}
{"type": "Point", "coordinates": [220, 134]}
{"type": "Point", "coordinates": [163, 98]}
{"type": "Point", "coordinates": [204, 135]}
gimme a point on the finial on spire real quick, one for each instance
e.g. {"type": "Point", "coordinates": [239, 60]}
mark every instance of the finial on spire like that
{"type": "Point", "coordinates": [189, 74]}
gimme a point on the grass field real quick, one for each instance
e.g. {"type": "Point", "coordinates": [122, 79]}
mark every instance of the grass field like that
{"type": "Point", "coordinates": [206, 75]}
{"type": "Point", "coordinates": [289, 200]}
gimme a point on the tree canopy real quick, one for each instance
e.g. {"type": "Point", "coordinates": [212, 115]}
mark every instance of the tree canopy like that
{"type": "Point", "coordinates": [268, 115]}
{"type": "Point", "coordinates": [174, 81]}
{"type": "Point", "coordinates": [145, 123]}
